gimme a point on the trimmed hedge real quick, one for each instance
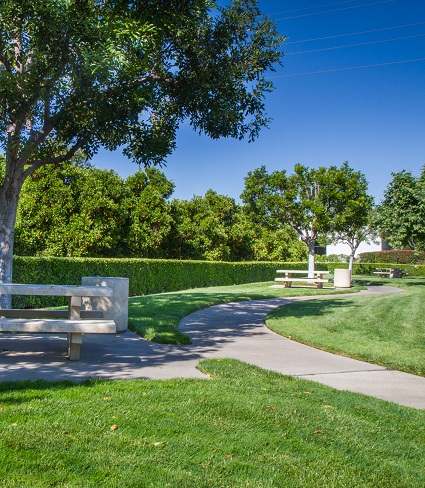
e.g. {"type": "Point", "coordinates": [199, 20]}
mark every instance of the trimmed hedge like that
{"type": "Point", "coordinates": [146, 276]}
{"type": "Point", "coordinates": [393, 256]}
{"type": "Point", "coordinates": [369, 268]}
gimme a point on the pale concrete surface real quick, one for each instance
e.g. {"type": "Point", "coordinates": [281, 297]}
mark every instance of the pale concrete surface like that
{"type": "Point", "coordinates": [115, 307]}
{"type": "Point", "coordinates": [234, 330]}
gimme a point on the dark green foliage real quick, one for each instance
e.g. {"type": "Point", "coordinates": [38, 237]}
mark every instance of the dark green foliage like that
{"type": "Point", "coordinates": [150, 218]}
{"type": "Point", "coordinates": [203, 228]}
{"type": "Point", "coordinates": [401, 215]}
{"type": "Point", "coordinates": [393, 256]}
{"type": "Point", "coordinates": [82, 211]}
{"type": "Point", "coordinates": [72, 210]}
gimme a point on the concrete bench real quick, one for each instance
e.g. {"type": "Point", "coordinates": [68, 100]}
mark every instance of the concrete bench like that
{"type": "Point", "coordinates": [289, 278]}
{"type": "Point", "coordinates": [73, 328]}
{"type": "Point", "coordinates": [74, 322]}
{"type": "Point", "coordinates": [389, 272]}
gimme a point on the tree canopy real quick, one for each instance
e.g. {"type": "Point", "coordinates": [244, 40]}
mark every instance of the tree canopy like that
{"type": "Point", "coordinates": [315, 202]}
{"type": "Point", "coordinates": [88, 74]}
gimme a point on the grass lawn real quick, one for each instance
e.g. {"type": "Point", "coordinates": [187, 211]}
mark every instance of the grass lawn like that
{"type": "Point", "coordinates": [244, 428]}
{"type": "Point", "coordinates": [156, 317]}
{"type": "Point", "coordinates": [388, 330]}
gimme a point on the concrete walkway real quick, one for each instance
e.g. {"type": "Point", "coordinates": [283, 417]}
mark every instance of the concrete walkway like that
{"type": "Point", "coordinates": [234, 330]}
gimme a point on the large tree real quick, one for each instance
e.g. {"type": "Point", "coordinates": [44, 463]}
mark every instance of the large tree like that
{"type": "Point", "coordinates": [315, 202]}
{"type": "Point", "coordinates": [401, 215]}
{"type": "Point", "coordinates": [91, 73]}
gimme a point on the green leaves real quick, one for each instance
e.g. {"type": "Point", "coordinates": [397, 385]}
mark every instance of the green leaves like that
{"type": "Point", "coordinates": [401, 215]}
{"type": "Point", "coordinates": [315, 202]}
{"type": "Point", "coordinates": [85, 73]}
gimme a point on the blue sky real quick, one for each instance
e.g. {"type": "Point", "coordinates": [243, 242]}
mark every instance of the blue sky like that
{"type": "Point", "coordinates": [327, 106]}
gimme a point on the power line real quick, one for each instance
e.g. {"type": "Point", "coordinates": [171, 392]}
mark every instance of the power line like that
{"type": "Point", "coordinates": [336, 10]}
{"type": "Point", "coordinates": [311, 8]}
{"type": "Point", "coordinates": [355, 45]}
{"type": "Point", "coordinates": [349, 68]}
{"type": "Point", "coordinates": [354, 33]}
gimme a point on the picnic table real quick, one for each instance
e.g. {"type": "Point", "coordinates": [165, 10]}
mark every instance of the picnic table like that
{"type": "Point", "coordinates": [289, 277]}
{"type": "Point", "coordinates": [74, 321]}
{"type": "Point", "coordinates": [389, 272]}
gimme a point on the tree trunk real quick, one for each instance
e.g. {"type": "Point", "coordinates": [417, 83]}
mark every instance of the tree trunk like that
{"type": "Point", "coordinates": [311, 245]}
{"type": "Point", "coordinates": [350, 262]}
{"type": "Point", "coordinates": [9, 197]}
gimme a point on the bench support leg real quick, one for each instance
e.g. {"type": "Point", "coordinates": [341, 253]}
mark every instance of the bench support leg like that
{"type": "Point", "coordinates": [74, 344]}
{"type": "Point", "coordinates": [74, 307]}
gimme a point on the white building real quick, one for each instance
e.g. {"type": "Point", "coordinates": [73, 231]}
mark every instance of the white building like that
{"type": "Point", "coordinates": [364, 247]}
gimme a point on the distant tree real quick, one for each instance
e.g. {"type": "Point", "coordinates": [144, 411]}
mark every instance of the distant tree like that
{"type": "Point", "coordinates": [81, 75]}
{"type": "Point", "coordinates": [354, 223]}
{"type": "Point", "coordinates": [314, 202]}
{"type": "Point", "coordinates": [401, 215]}
{"type": "Point", "coordinates": [72, 210]}
{"type": "Point", "coordinates": [353, 236]}
{"type": "Point", "coordinates": [150, 219]}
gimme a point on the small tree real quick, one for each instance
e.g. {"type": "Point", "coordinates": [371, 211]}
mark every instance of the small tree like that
{"type": "Point", "coordinates": [314, 202]}
{"type": "Point", "coordinates": [203, 227]}
{"type": "Point", "coordinates": [353, 237]}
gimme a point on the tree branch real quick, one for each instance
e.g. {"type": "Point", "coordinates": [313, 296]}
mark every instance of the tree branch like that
{"type": "Point", "coordinates": [55, 160]}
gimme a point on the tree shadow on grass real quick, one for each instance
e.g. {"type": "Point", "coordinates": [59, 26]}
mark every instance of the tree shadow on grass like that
{"type": "Point", "coordinates": [33, 389]}
{"type": "Point", "coordinates": [314, 308]}
{"type": "Point", "coordinates": [403, 282]}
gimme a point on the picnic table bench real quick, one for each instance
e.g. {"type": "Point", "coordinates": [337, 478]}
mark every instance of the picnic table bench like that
{"type": "Point", "coordinates": [389, 272]}
{"type": "Point", "coordinates": [74, 322]}
{"type": "Point", "coordinates": [317, 279]}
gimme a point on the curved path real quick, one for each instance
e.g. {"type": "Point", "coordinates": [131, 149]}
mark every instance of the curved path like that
{"type": "Point", "coordinates": [233, 330]}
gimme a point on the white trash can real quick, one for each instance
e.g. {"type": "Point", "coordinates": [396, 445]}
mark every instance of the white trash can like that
{"type": "Point", "coordinates": [115, 307]}
{"type": "Point", "coordinates": [342, 278]}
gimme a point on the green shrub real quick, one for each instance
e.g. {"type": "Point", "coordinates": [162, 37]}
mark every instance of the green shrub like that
{"type": "Point", "coordinates": [393, 256]}
{"type": "Point", "coordinates": [369, 268]}
{"type": "Point", "coordinates": [146, 276]}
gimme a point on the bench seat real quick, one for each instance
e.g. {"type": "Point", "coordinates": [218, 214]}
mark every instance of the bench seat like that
{"type": "Point", "coordinates": [35, 313]}
{"type": "Point", "coordinates": [74, 329]}
{"type": "Point", "coordinates": [323, 280]}
{"type": "Point", "coordinates": [318, 281]}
